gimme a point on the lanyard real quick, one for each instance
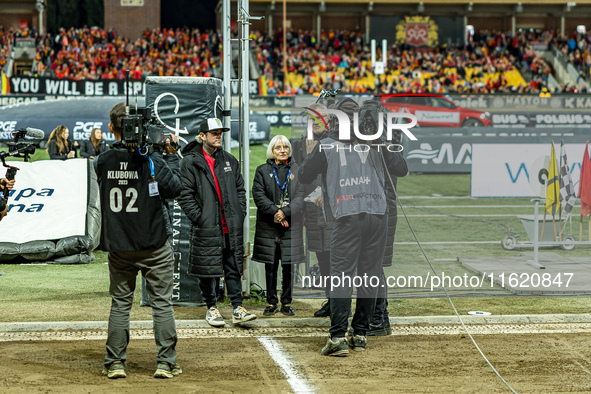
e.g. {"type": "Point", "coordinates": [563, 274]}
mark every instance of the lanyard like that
{"type": "Point", "coordinates": [277, 179]}
{"type": "Point", "coordinates": [151, 166]}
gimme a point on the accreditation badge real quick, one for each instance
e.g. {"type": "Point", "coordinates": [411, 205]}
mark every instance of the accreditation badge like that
{"type": "Point", "coordinates": [153, 188]}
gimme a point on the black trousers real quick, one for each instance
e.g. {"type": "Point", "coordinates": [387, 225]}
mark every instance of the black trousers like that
{"type": "Point", "coordinates": [232, 278]}
{"type": "Point", "coordinates": [271, 280]}
{"type": "Point", "coordinates": [356, 251]}
{"type": "Point", "coordinates": [380, 314]}
{"type": "Point", "coordinates": [324, 265]}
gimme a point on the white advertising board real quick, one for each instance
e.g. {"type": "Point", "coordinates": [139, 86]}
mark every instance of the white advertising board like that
{"type": "Point", "coordinates": [438, 116]}
{"type": "Point", "coordinates": [48, 202]}
{"type": "Point", "coordinates": [518, 170]}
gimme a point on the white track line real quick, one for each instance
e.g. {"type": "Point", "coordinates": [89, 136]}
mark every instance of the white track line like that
{"type": "Point", "coordinates": [448, 242]}
{"type": "Point", "coordinates": [434, 197]}
{"type": "Point", "coordinates": [469, 206]}
{"type": "Point", "coordinates": [465, 215]}
{"type": "Point", "coordinates": [294, 378]}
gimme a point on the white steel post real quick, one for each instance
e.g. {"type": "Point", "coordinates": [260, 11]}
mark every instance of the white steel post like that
{"type": "Point", "coordinates": [227, 70]}
{"type": "Point", "coordinates": [243, 14]}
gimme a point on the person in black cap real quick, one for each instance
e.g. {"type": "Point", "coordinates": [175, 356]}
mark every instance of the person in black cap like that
{"type": "Point", "coordinates": [214, 199]}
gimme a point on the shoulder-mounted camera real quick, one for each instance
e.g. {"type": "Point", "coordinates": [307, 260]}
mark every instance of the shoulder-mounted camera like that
{"type": "Point", "coordinates": [140, 130]}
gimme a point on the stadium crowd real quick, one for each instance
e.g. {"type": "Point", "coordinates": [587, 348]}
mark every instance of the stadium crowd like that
{"type": "Point", "coordinates": [490, 62]}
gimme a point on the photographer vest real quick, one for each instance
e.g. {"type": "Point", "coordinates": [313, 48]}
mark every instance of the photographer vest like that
{"type": "Point", "coordinates": [354, 180]}
{"type": "Point", "coordinates": [131, 219]}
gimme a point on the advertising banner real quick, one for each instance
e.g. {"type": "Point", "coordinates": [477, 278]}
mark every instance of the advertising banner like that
{"type": "Point", "coordinates": [517, 102]}
{"type": "Point", "coordinates": [518, 170]}
{"type": "Point", "coordinates": [182, 103]}
{"type": "Point", "coordinates": [79, 115]}
{"type": "Point", "coordinates": [277, 118]}
{"type": "Point", "coordinates": [542, 120]}
{"type": "Point", "coordinates": [48, 201]}
{"type": "Point", "coordinates": [449, 150]}
{"type": "Point", "coordinates": [70, 87]}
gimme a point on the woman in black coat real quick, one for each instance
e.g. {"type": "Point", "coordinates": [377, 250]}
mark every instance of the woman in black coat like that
{"type": "Point", "coordinates": [278, 234]}
{"type": "Point", "coordinates": [95, 146]}
{"type": "Point", "coordinates": [59, 145]}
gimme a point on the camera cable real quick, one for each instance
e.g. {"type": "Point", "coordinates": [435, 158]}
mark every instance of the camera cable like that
{"type": "Point", "coordinates": [436, 274]}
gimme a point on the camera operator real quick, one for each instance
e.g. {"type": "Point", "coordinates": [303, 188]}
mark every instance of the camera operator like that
{"type": "Point", "coordinates": [135, 231]}
{"type": "Point", "coordinates": [358, 238]}
{"type": "Point", "coordinates": [4, 184]}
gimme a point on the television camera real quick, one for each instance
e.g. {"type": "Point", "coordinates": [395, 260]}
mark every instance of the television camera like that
{"type": "Point", "coordinates": [20, 149]}
{"type": "Point", "coordinates": [140, 130]}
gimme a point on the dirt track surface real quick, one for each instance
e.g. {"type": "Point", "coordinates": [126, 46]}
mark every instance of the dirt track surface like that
{"type": "Point", "coordinates": [531, 363]}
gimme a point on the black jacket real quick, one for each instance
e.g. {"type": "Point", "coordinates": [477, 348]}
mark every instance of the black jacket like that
{"type": "Point", "coordinates": [199, 200]}
{"type": "Point", "coordinates": [87, 149]}
{"type": "Point", "coordinates": [267, 196]}
{"type": "Point", "coordinates": [122, 231]}
{"type": "Point", "coordinates": [318, 230]}
{"type": "Point", "coordinates": [53, 153]}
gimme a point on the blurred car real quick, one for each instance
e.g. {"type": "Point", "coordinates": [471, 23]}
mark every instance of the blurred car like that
{"type": "Point", "coordinates": [433, 110]}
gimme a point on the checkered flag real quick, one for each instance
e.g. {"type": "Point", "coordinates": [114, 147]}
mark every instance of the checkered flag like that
{"type": "Point", "coordinates": [567, 190]}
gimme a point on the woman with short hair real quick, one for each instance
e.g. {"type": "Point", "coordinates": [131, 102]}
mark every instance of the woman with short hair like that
{"type": "Point", "coordinates": [278, 236]}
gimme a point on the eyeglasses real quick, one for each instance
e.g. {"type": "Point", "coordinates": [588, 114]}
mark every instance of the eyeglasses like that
{"type": "Point", "coordinates": [281, 147]}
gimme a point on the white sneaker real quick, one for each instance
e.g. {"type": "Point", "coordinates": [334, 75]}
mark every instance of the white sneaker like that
{"type": "Point", "coordinates": [214, 317]}
{"type": "Point", "coordinates": [241, 315]}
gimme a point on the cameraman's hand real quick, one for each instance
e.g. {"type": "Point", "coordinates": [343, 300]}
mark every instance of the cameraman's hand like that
{"type": "Point", "coordinates": [71, 154]}
{"type": "Point", "coordinates": [7, 184]}
{"type": "Point", "coordinates": [168, 146]}
{"type": "Point", "coordinates": [76, 145]}
{"type": "Point", "coordinates": [318, 201]}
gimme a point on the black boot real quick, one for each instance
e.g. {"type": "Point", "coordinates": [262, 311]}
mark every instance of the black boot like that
{"type": "Point", "coordinates": [324, 310]}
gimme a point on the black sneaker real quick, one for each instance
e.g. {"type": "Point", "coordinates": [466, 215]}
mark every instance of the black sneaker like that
{"type": "Point", "coordinates": [324, 310]}
{"type": "Point", "coordinates": [287, 310]}
{"type": "Point", "coordinates": [358, 343]}
{"type": "Point", "coordinates": [270, 310]}
{"type": "Point", "coordinates": [339, 347]}
{"type": "Point", "coordinates": [115, 370]}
